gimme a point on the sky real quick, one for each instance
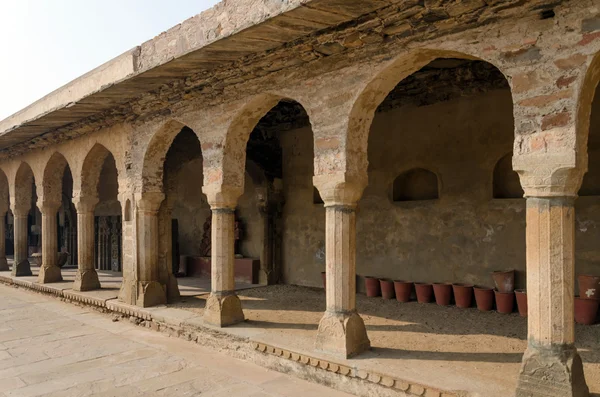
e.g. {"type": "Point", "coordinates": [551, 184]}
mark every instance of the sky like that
{"type": "Point", "coordinates": [44, 44]}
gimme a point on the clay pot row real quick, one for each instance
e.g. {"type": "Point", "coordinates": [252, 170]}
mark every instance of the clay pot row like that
{"type": "Point", "coordinates": [589, 286]}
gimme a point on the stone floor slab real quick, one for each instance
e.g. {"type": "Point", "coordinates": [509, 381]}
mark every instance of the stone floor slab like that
{"type": "Point", "coordinates": [52, 349]}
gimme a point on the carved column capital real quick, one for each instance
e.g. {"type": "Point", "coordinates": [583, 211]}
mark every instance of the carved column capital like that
{"type": "Point", "coordinates": [222, 196]}
{"type": "Point", "coordinates": [549, 175]}
{"type": "Point", "coordinates": [340, 189]}
{"type": "Point", "coordinates": [20, 210]}
{"type": "Point", "coordinates": [149, 202]}
{"type": "Point", "coordinates": [48, 206]}
{"type": "Point", "coordinates": [85, 204]}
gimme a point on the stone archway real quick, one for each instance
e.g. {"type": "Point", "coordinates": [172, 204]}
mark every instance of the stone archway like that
{"type": "Point", "coordinates": [21, 205]}
{"type": "Point", "coordinates": [99, 218]}
{"type": "Point", "coordinates": [50, 200]}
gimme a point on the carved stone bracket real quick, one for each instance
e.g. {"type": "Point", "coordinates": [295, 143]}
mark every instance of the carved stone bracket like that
{"type": "Point", "coordinates": [549, 175]}
{"type": "Point", "coordinates": [340, 188]}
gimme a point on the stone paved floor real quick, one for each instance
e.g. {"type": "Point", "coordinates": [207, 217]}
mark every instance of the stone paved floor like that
{"type": "Point", "coordinates": [50, 348]}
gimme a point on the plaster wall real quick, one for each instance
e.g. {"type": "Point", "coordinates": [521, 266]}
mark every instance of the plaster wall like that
{"type": "Point", "coordinates": [461, 237]}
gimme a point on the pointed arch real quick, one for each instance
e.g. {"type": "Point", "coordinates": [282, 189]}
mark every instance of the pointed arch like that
{"type": "Point", "coordinates": [587, 92]}
{"type": "Point", "coordinates": [24, 180]}
{"type": "Point", "coordinates": [238, 133]}
{"type": "Point", "coordinates": [156, 153]}
{"type": "Point", "coordinates": [375, 91]}
{"type": "Point", "coordinates": [91, 169]}
{"type": "Point", "coordinates": [52, 178]}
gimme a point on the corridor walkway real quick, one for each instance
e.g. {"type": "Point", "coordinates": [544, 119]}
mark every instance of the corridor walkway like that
{"type": "Point", "coordinates": [50, 348]}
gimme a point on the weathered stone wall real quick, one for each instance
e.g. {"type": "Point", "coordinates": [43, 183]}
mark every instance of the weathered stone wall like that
{"type": "Point", "coordinates": [462, 236]}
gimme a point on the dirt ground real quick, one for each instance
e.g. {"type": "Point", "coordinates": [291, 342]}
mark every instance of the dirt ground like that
{"type": "Point", "coordinates": [445, 347]}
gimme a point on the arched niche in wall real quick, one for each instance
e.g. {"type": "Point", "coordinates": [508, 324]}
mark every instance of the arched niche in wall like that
{"type": "Point", "coordinates": [128, 211]}
{"type": "Point", "coordinates": [506, 182]}
{"type": "Point", "coordinates": [417, 184]}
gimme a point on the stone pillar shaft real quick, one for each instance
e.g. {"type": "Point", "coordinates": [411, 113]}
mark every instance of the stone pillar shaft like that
{"type": "Point", "coordinates": [87, 277]}
{"type": "Point", "coordinates": [49, 238]}
{"type": "Point", "coordinates": [3, 262]}
{"type": "Point", "coordinates": [150, 290]}
{"type": "Point", "coordinates": [21, 265]}
{"type": "Point", "coordinates": [342, 331]}
{"type": "Point", "coordinates": [340, 258]}
{"type": "Point", "coordinates": [222, 251]}
{"type": "Point", "coordinates": [550, 270]}
{"type": "Point", "coordinates": [223, 307]}
{"type": "Point", "coordinates": [49, 271]}
{"type": "Point", "coordinates": [551, 365]}
{"type": "Point", "coordinates": [148, 223]}
{"type": "Point", "coordinates": [85, 240]}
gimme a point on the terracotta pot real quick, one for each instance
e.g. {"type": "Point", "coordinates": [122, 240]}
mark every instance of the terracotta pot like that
{"type": "Point", "coordinates": [403, 290]}
{"type": "Point", "coordinates": [484, 298]}
{"type": "Point", "coordinates": [586, 310]}
{"type": "Point", "coordinates": [589, 287]}
{"type": "Point", "coordinates": [521, 295]}
{"type": "Point", "coordinates": [324, 276]}
{"type": "Point", "coordinates": [504, 281]}
{"type": "Point", "coordinates": [372, 286]}
{"type": "Point", "coordinates": [505, 302]}
{"type": "Point", "coordinates": [443, 293]}
{"type": "Point", "coordinates": [463, 295]}
{"type": "Point", "coordinates": [424, 292]}
{"type": "Point", "coordinates": [387, 288]}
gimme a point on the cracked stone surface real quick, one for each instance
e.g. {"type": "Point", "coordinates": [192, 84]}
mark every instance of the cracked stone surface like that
{"type": "Point", "coordinates": [50, 348]}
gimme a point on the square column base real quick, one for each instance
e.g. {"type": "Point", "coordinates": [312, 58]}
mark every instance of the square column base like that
{"type": "Point", "coordinates": [555, 371]}
{"type": "Point", "coordinates": [342, 335]}
{"type": "Point", "coordinates": [21, 269]}
{"type": "Point", "coordinates": [173, 294]}
{"type": "Point", "coordinates": [86, 280]}
{"type": "Point", "coordinates": [223, 310]}
{"type": "Point", "coordinates": [50, 274]}
{"type": "Point", "coordinates": [151, 293]}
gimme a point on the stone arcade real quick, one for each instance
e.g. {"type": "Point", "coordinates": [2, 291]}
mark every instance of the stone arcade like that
{"type": "Point", "coordinates": [403, 115]}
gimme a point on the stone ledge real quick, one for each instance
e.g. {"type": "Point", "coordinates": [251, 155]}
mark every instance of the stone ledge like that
{"type": "Point", "coordinates": [133, 311]}
{"type": "Point", "coordinates": [86, 300]}
{"type": "Point", "coordinates": [410, 389]}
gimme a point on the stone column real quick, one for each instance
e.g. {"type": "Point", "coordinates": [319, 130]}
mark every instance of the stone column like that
{"type": "Point", "coordinates": [49, 270]}
{"type": "Point", "coordinates": [223, 307]}
{"type": "Point", "coordinates": [21, 265]}
{"type": "Point", "coordinates": [86, 278]}
{"type": "Point", "coordinates": [342, 332]}
{"type": "Point", "coordinates": [551, 365]}
{"type": "Point", "coordinates": [150, 292]}
{"type": "Point", "coordinates": [3, 262]}
{"type": "Point", "coordinates": [165, 255]}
